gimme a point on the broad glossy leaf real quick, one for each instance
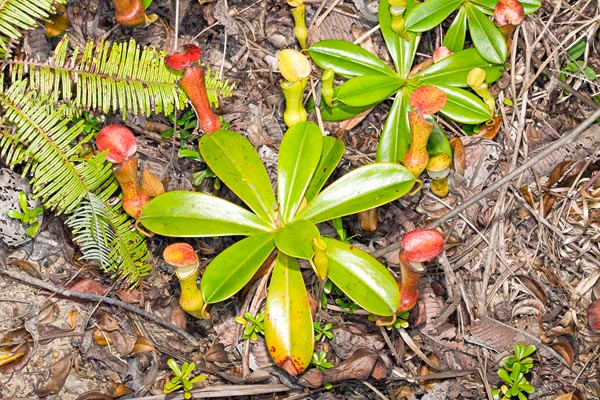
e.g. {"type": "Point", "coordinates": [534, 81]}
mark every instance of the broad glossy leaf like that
{"type": "Point", "coordinates": [363, 188]}
{"type": "Point", "coordinates": [395, 136]}
{"type": "Point", "coordinates": [299, 155]}
{"type": "Point", "coordinates": [438, 141]}
{"type": "Point", "coordinates": [368, 90]}
{"type": "Point", "coordinates": [362, 278]}
{"type": "Point", "coordinates": [233, 268]}
{"type": "Point", "coordinates": [429, 14]}
{"type": "Point", "coordinates": [455, 35]}
{"type": "Point", "coordinates": [181, 213]}
{"type": "Point", "coordinates": [288, 322]}
{"type": "Point", "coordinates": [295, 239]}
{"type": "Point", "coordinates": [347, 59]}
{"type": "Point", "coordinates": [464, 107]}
{"type": "Point", "coordinates": [235, 161]}
{"type": "Point", "coordinates": [453, 70]}
{"type": "Point", "coordinates": [402, 51]}
{"type": "Point", "coordinates": [486, 36]}
{"type": "Point", "coordinates": [340, 111]}
{"type": "Point", "coordinates": [332, 153]}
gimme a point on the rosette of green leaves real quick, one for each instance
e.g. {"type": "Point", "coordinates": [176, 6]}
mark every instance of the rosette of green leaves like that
{"type": "Point", "coordinates": [286, 223]}
{"type": "Point", "coordinates": [371, 81]}
{"type": "Point", "coordinates": [486, 37]}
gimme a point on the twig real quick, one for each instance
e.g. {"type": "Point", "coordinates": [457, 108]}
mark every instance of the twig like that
{"type": "Point", "coordinates": [564, 139]}
{"type": "Point", "coordinates": [94, 297]}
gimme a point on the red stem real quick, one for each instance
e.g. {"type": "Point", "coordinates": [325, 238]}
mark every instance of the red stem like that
{"type": "Point", "coordinates": [409, 293]}
{"type": "Point", "coordinates": [134, 196]}
{"type": "Point", "coordinates": [194, 86]}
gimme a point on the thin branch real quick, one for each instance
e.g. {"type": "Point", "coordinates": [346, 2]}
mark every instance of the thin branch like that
{"type": "Point", "coordinates": [94, 297]}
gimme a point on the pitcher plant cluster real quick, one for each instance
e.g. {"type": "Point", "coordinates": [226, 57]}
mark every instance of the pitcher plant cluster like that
{"type": "Point", "coordinates": [280, 229]}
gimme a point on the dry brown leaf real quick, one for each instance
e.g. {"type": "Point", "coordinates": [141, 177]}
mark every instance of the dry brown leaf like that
{"type": "Point", "coordinates": [458, 153]}
{"type": "Point", "coordinates": [122, 390]}
{"type": "Point", "coordinates": [566, 349]}
{"type": "Point", "coordinates": [59, 371]}
{"type": "Point", "coordinates": [152, 183]}
{"type": "Point", "coordinates": [178, 317]}
{"type": "Point", "coordinates": [490, 129]}
{"type": "Point", "coordinates": [48, 312]}
{"type": "Point", "coordinates": [102, 338]}
{"type": "Point", "coordinates": [536, 287]}
{"type": "Point", "coordinates": [142, 345]}
{"type": "Point", "coordinates": [90, 286]}
{"type": "Point", "coordinates": [72, 318]}
{"type": "Point", "coordinates": [108, 323]}
{"type": "Point", "coordinates": [566, 396]}
{"type": "Point", "coordinates": [27, 267]}
{"type": "Point", "coordinates": [20, 337]}
{"type": "Point", "coordinates": [58, 23]}
{"type": "Point", "coordinates": [359, 366]}
{"type": "Point", "coordinates": [94, 395]}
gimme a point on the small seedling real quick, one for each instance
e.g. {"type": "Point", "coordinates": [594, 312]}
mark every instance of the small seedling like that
{"type": "Point", "coordinates": [254, 325]}
{"type": "Point", "coordinates": [513, 374]}
{"type": "Point", "coordinates": [325, 330]}
{"type": "Point", "coordinates": [27, 216]}
{"type": "Point", "coordinates": [182, 380]}
{"type": "Point", "coordinates": [91, 122]}
{"type": "Point", "coordinates": [319, 360]}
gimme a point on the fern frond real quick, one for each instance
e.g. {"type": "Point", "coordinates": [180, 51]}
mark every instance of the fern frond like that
{"type": "Point", "coordinates": [45, 142]}
{"type": "Point", "coordinates": [216, 87]}
{"type": "Point", "coordinates": [18, 15]}
{"type": "Point", "coordinates": [105, 237]}
{"type": "Point", "coordinates": [113, 77]}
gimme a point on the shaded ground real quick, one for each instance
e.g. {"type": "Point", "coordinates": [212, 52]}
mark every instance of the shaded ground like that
{"type": "Point", "coordinates": [521, 265]}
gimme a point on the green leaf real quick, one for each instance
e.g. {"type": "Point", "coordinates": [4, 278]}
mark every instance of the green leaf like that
{"type": "Point", "coordinates": [288, 322]}
{"type": "Point", "coordinates": [15, 214]}
{"type": "Point", "coordinates": [503, 374]}
{"type": "Point", "coordinates": [235, 161]}
{"type": "Point", "coordinates": [402, 51]}
{"type": "Point", "coordinates": [530, 6]}
{"type": "Point", "coordinates": [299, 156]}
{"type": "Point", "coordinates": [196, 214]}
{"type": "Point", "coordinates": [453, 70]}
{"type": "Point", "coordinates": [347, 59]}
{"type": "Point", "coordinates": [395, 136]}
{"type": "Point", "coordinates": [368, 90]}
{"type": "Point", "coordinates": [438, 141]}
{"type": "Point", "coordinates": [429, 14]}
{"type": "Point", "coordinates": [341, 111]}
{"type": "Point", "coordinates": [455, 35]}
{"type": "Point", "coordinates": [362, 278]}
{"type": "Point", "coordinates": [235, 266]}
{"type": "Point", "coordinates": [464, 107]}
{"type": "Point", "coordinates": [331, 154]}
{"type": "Point", "coordinates": [363, 188]}
{"type": "Point", "coordinates": [295, 240]}
{"type": "Point", "coordinates": [486, 36]}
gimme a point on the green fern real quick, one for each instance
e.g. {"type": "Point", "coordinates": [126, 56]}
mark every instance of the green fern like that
{"type": "Point", "coordinates": [69, 180]}
{"type": "Point", "coordinates": [106, 237]}
{"type": "Point", "coordinates": [113, 77]}
{"type": "Point", "coordinates": [18, 15]}
{"type": "Point", "coordinates": [43, 140]}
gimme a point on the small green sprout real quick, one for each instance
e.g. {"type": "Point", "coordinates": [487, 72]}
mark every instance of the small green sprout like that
{"type": "Point", "coordinates": [319, 360]}
{"type": "Point", "coordinates": [182, 380]}
{"type": "Point", "coordinates": [513, 374]}
{"type": "Point", "coordinates": [254, 324]}
{"type": "Point", "coordinates": [27, 216]}
{"type": "Point", "coordinates": [325, 330]}
{"type": "Point", "coordinates": [91, 122]}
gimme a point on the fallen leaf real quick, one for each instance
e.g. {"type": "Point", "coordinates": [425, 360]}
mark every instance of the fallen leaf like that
{"type": "Point", "coordinates": [72, 318]}
{"type": "Point", "coordinates": [566, 347]}
{"type": "Point", "coordinates": [490, 128]}
{"type": "Point", "coordinates": [151, 183]}
{"type": "Point", "coordinates": [59, 372]}
{"type": "Point", "coordinates": [48, 312]}
{"type": "Point", "coordinates": [89, 286]}
{"type": "Point", "coordinates": [142, 345]}
{"type": "Point", "coordinates": [102, 338]}
{"type": "Point", "coordinates": [20, 345]}
{"type": "Point", "coordinates": [458, 152]}
{"type": "Point", "coordinates": [359, 366]}
{"type": "Point", "coordinates": [58, 23]}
